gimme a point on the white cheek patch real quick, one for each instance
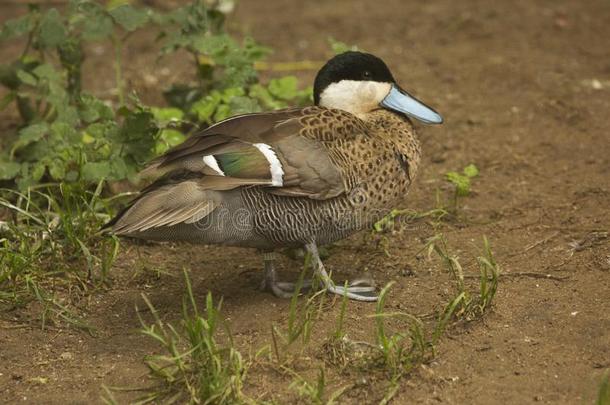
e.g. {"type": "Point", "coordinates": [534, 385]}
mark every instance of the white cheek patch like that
{"type": "Point", "coordinates": [355, 96]}
{"type": "Point", "coordinates": [210, 160]}
{"type": "Point", "coordinates": [275, 166]}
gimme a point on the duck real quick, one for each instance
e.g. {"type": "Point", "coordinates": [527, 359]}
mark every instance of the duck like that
{"type": "Point", "coordinates": [290, 178]}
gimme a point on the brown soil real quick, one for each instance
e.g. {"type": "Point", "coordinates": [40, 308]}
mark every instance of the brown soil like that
{"type": "Point", "coordinates": [515, 82]}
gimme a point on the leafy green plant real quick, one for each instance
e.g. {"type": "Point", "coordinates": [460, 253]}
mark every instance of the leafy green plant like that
{"type": "Point", "coordinates": [461, 183]}
{"type": "Point", "coordinates": [101, 148]}
{"type": "Point", "coordinates": [52, 36]}
{"type": "Point", "coordinates": [315, 393]}
{"type": "Point", "coordinates": [68, 141]}
{"type": "Point", "coordinates": [196, 367]}
{"type": "Point", "coordinates": [227, 81]}
{"type": "Point", "coordinates": [489, 273]}
{"type": "Point", "coordinates": [340, 47]}
{"type": "Point", "coordinates": [67, 134]}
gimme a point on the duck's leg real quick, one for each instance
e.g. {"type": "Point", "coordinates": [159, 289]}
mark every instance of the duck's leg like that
{"type": "Point", "coordinates": [281, 289]}
{"type": "Point", "coordinates": [359, 290]}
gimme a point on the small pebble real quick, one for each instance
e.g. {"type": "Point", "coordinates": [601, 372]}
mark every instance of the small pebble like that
{"type": "Point", "coordinates": [66, 356]}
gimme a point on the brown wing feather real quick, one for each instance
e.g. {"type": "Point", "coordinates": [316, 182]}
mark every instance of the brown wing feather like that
{"type": "Point", "coordinates": [247, 127]}
{"type": "Point", "coordinates": [313, 146]}
{"type": "Point", "coordinates": [172, 202]}
{"type": "Point", "coordinates": [300, 139]}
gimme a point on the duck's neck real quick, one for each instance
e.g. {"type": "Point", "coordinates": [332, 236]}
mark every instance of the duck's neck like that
{"type": "Point", "coordinates": [395, 125]}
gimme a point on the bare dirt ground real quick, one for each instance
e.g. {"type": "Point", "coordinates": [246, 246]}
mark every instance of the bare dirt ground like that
{"type": "Point", "coordinates": [525, 91]}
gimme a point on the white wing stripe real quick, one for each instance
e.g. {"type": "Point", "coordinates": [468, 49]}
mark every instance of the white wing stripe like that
{"type": "Point", "coordinates": [210, 160]}
{"type": "Point", "coordinates": [277, 172]}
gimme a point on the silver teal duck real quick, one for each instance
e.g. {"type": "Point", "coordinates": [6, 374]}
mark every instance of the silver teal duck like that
{"type": "Point", "coordinates": [298, 177]}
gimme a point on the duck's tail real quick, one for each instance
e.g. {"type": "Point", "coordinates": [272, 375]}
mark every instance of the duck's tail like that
{"type": "Point", "coordinates": [164, 206]}
{"type": "Point", "coordinates": [172, 200]}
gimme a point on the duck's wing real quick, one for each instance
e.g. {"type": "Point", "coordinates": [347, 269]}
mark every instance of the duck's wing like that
{"type": "Point", "coordinates": [295, 152]}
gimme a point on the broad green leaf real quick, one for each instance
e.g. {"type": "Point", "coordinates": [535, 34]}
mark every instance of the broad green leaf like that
{"type": "Point", "coordinates": [57, 169]}
{"type": "Point", "coordinates": [471, 170]}
{"type": "Point", "coordinates": [204, 108]}
{"type": "Point", "coordinates": [71, 54]}
{"type": "Point", "coordinates": [71, 175]}
{"type": "Point", "coordinates": [52, 29]}
{"type": "Point", "coordinates": [139, 124]}
{"type": "Point", "coordinates": [340, 47]}
{"type": "Point", "coordinates": [244, 105]}
{"type": "Point", "coordinates": [461, 182]}
{"type": "Point", "coordinates": [110, 4]}
{"type": "Point", "coordinates": [8, 73]}
{"type": "Point", "coordinates": [254, 50]}
{"type": "Point", "coordinates": [38, 170]}
{"type": "Point", "coordinates": [26, 78]}
{"type": "Point", "coordinates": [238, 70]}
{"type": "Point", "coordinates": [8, 170]}
{"type": "Point", "coordinates": [165, 115]}
{"type": "Point", "coordinates": [172, 137]}
{"type": "Point", "coordinates": [138, 135]}
{"type": "Point", "coordinates": [65, 132]}
{"type": "Point", "coordinates": [87, 138]}
{"type": "Point", "coordinates": [34, 151]}
{"type": "Point", "coordinates": [230, 93]}
{"type": "Point", "coordinates": [92, 109]}
{"type": "Point", "coordinates": [284, 88]}
{"type": "Point", "coordinates": [88, 113]}
{"type": "Point", "coordinates": [30, 134]}
{"type": "Point", "coordinates": [222, 112]}
{"type": "Point", "coordinates": [128, 17]}
{"type": "Point", "coordinates": [25, 181]}
{"type": "Point", "coordinates": [95, 171]}
{"type": "Point", "coordinates": [102, 130]}
{"type": "Point", "coordinates": [17, 27]}
{"type": "Point", "coordinates": [8, 76]}
{"type": "Point", "coordinates": [215, 46]}
{"type": "Point", "coordinates": [48, 72]}
{"type": "Point", "coordinates": [104, 151]}
{"type": "Point", "coordinates": [119, 169]}
{"type": "Point", "coordinates": [305, 96]}
{"type": "Point", "coordinates": [105, 111]}
{"type": "Point", "coordinates": [265, 98]}
{"type": "Point", "coordinates": [98, 26]}
{"type": "Point", "coordinates": [7, 99]}
{"type": "Point", "coordinates": [67, 114]}
{"type": "Point", "coordinates": [169, 138]}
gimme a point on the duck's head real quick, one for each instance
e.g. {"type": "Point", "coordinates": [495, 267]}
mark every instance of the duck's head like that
{"type": "Point", "coordinates": [360, 83]}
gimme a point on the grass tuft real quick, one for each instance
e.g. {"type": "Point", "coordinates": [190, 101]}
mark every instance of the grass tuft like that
{"type": "Point", "coordinates": [49, 242]}
{"type": "Point", "coordinates": [465, 303]}
{"type": "Point", "coordinates": [603, 395]}
{"type": "Point", "coordinates": [195, 368]}
{"type": "Point", "coordinates": [314, 393]}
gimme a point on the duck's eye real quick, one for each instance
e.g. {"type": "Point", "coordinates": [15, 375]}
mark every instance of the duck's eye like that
{"type": "Point", "coordinates": [366, 74]}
